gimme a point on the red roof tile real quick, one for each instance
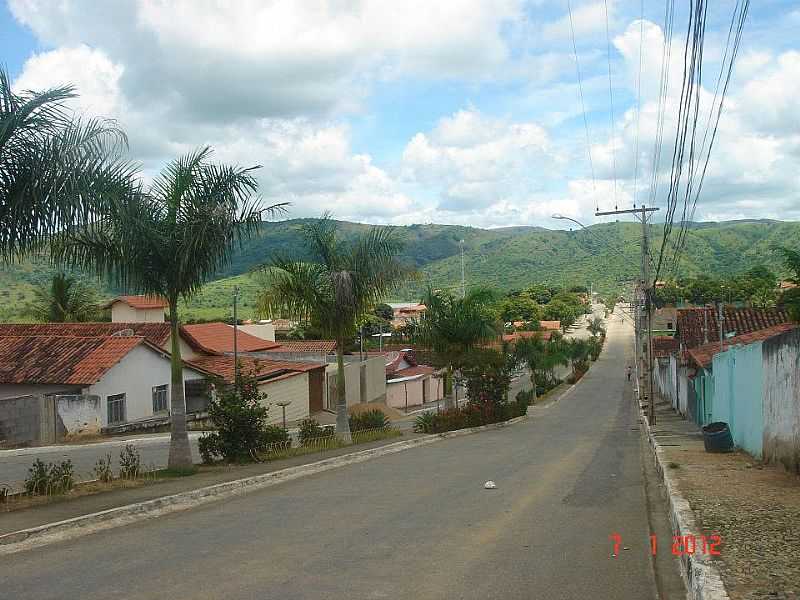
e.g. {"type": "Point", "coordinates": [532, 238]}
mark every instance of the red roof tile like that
{"type": "Point", "coordinates": [140, 302]}
{"type": "Point", "coordinates": [155, 333]}
{"type": "Point", "coordinates": [61, 360]}
{"type": "Point", "coordinates": [222, 366]}
{"type": "Point", "coordinates": [218, 337]}
{"type": "Point", "coordinates": [703, 356]}
{"type": "Point", "coordinates": [415, 370]}
{"type": "Point", "coordinates": [693, 321]}
{"type": "Point", "coordinates": [550, 325]}
{"type": "Point", "coordinates": [664, 345]}
{"type": "Point", "coordinates": [317, 346]}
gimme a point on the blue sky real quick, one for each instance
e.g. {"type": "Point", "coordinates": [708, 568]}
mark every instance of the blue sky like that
{"type": "Point", "coordinates": [455, 112]}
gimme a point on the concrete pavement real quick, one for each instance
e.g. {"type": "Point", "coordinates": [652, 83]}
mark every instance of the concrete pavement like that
{"type": "Point", "coordinates": [412, 525]}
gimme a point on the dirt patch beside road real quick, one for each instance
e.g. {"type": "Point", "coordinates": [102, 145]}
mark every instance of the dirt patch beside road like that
{"type": "Point", "coordinates": [756, 511]}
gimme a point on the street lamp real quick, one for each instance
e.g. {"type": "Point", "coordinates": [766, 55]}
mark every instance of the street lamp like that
{"type": "Point", "coordinates": [283, 404]}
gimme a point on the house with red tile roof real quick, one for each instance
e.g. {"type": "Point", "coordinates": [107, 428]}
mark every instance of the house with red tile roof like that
{"type": "Point", "coordinates": [217, 338]}
{"type": "Point", "coordinates": [696, 327]}
{"type": "Point", "coordinates": [122, 378]}
{"type": "Point", "coordinates": [410, 384]}
{"type": "Point", "coordinates": [751, 382]}
{"type": "Point", "coordinates": [137, 309]}
{"type": "Point", "coordinates": [300, 383]}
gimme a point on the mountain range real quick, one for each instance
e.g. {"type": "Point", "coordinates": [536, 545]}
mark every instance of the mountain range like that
{"type": "Point", "coordinates": [604, 255]}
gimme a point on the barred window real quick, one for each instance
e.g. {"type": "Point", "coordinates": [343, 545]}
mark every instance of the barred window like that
{"type": "Point", "coordinates": [160, 398]}
{"type": "Point", "coordinates": [116, 408]}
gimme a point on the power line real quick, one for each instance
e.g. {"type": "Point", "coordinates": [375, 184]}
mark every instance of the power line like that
{"type": "Point", "coordinates": [638, 104]}
{"type": "Point", "coordinates": [611, 100]}
{"type": "Point", "coordinates": [583, 104]}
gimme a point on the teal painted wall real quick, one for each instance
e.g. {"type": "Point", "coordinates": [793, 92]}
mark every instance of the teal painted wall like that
{"type": "Point", "coordinates": [704, 393]}
{"type": "Point", "coordinates": [738, 395]}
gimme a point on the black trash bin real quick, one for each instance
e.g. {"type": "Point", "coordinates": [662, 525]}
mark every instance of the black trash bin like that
{"type": "Point", "coordinates": [717, 437]}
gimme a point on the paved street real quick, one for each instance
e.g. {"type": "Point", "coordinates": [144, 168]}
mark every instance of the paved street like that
{"type": "Point", "coordinates": [417, 524]}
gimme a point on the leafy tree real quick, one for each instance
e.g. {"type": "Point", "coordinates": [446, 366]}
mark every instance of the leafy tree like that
{"type": "Point", "coordinates": [167, 239]}
{"type": "Point", "coordinates": [540, 356]}
{"type": "Point", "coordinates": [578, 351]}
{"type": "Point", "coordinates": [519, 308]}
{"type": "Point", "coordinates": [384, 311]}
{"type": "Point", "coordinates": [791, 297]}
{"type": "Point", "coordinates": [335, 289]}
{"type": "Point", "coordinates": [239, 413]}
{"type": "Point", "coordinates": [596, 327]}
{"type": "Point", "coordinates": [55, 171]}
{"type": "Point", "coordinates": [453, 326]}
{"type": "Point", "coordinates": [64, 300]}
{"type": "Point", "coordinates": [539, 292]}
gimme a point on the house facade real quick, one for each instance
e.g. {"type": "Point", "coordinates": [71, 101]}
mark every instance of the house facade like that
{"type": "Point", "coordinates": [90, 382]}
{"type": "Point", "coordinates": [752, 382]}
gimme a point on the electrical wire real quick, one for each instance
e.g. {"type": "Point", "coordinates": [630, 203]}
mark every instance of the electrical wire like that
{"type": "Point", "coordinates": [611, 101]}
{"type": "Point", "coordinates": [583, 104]}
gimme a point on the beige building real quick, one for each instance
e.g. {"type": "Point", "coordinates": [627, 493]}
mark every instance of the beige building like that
{"type": "Point", "coordinates": [137, 309]}
{"type": "Point", "coordinates": [414, 386]}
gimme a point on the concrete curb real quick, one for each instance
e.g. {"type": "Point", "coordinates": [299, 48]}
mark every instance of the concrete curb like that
{"type": "Point", "coordinates": [700, 576]}
{"type": "Point", "coordinates": [68, 529]}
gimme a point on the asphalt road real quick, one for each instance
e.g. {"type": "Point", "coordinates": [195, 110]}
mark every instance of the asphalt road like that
{"type": "Point", "coordinates": [417, 524]}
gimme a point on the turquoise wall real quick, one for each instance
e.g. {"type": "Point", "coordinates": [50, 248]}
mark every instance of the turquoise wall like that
{"type": "Point", "coordinates": [737, 395]}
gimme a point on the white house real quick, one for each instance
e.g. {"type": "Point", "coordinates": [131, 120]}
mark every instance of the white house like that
{"type": "Point", "coordinates": [124, 378]}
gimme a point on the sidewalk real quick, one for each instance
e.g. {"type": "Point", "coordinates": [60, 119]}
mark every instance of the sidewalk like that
{"type": "Point", "coordinates": [754, 508]}
{"type": "Point", "coordinates": [66, 507]}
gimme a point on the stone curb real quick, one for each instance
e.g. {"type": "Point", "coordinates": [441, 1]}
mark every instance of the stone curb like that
{"type": "Point", "coordinates": [700, 576]}
{"type": "Point", "coordinates": [68, 529]}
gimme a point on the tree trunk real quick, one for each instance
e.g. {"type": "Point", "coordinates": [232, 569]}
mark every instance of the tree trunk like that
{"type": "Point", "coordinates": [342, 422]}
{"type": "Point", "coordinates": [180, 453]}
{"type": "Point", "coordinates": [533, 382]}
{"type": "Point", "coordinates": [449, 401]}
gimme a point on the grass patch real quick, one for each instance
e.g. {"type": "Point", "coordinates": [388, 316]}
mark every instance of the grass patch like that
{"type": "Point", "coordinates": [173, 473]}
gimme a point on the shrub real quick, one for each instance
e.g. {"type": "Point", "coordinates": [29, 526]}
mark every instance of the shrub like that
{"type": "Point", "coordinates": [103, 470]}
{"type": "Point", "coordinates": [62, 476]}
{"type": "Point", "coordinates": [373, 419]}
{"type": "Point", "coordinates": [274, 434]}
{"type": "Point", "coordinates": [130, 462]}
{"type": "Point", "coordinates": [38, 480]}
{"type": "Point", "coordinates": [240, 417]}
{"type": "Point", "coordinates": [51, 478]}
{"type": "Point", "coordinates": [525, 396]}
{"type": "Point", "coordinates": [424, 423]}
{"type": "Point", "coordinates": [310, 430]}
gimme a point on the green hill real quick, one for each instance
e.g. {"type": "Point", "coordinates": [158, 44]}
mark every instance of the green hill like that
{"type": "Point", "coordinates": [508, 258]}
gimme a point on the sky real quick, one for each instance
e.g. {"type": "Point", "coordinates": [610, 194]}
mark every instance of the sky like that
{"type": "Point", "coordinates": [462, 112]}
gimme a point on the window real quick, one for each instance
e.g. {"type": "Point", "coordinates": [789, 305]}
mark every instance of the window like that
{"type": "Point", "coordinates": [160, 398]}
{"type": "Point", "coordinates": [116, 408]}
{"type": "Point", "coordinates": [669, 325]}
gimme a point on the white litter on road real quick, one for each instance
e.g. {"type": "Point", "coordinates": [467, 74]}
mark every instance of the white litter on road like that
{"type": "Point", "coordinates": [490, 485]}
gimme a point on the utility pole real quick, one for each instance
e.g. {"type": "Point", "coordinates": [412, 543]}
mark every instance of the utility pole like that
{"type": "Point", "coordinates": [646, 291]}
{"type": "Point", "coordinates": [235, 339]}
{"type": "Point", "coordinates": [463, 278]}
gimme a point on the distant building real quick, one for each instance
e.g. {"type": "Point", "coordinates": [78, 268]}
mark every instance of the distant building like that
{"type": "Point", "coordinates": [406, 312]}
{"type": "Point", "coordinates": [137, 309]}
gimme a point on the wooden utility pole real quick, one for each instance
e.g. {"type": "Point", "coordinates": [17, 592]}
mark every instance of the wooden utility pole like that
{"type": "Point", "coordinates": [646, 293]}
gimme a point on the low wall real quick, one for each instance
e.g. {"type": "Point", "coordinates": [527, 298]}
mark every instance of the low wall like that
{"type": "Point", "coordinates": [27, 420]}
{"type": "Point", "coordinates": [78, 416]}
{"type": "Point", "coordinates": [781, 400]}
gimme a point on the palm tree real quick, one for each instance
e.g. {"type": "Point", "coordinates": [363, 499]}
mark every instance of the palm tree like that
{"type": "Point", "coordinates": [55, 171]}
{"type": "Point", "coordinates": [167, 240]}
{"type": "Point", "coordinates": [540, 355]}
{"type": "Point", "coordinates": [336, 288]}
{"type": "Point", "coordinates": [452, 326]}
{"type": "Point", "coordinates": [63, 300]}
{"type": "Point", "coordinates": [595, 327]}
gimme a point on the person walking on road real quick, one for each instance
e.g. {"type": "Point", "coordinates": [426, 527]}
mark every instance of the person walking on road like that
{"type": "Point", "coordinates": [629, 372]}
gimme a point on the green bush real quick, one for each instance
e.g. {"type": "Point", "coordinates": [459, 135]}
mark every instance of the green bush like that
{"type": "Point", "coordinates": [51, 478]}
{"type": "Point", "coordinates": [424, 423]}
{"type": "Point", "coordinates": [310, 430]}
{"type": "Point", "coordinates": [274, 434]}
{"type": "Point", "coordinates": [240, 418]}
{"type": "Point", "coordinates": [373, 419]}
{"type": "Point", "coordinates": [525, 396]}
